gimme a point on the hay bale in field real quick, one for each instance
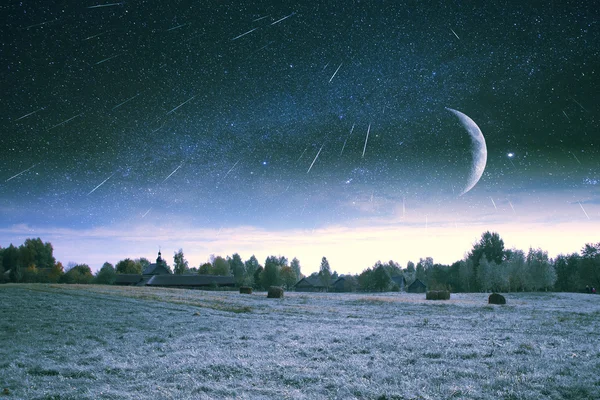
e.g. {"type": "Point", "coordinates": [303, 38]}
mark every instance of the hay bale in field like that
{"type": "Point", "coordinates": [275, 292]}
{"type": "Point", "coordinates": [437, 295]}
{"type": "Point", "coordinates": [496, 298]}
{"type": "Point", "coordinates": [245, 290]}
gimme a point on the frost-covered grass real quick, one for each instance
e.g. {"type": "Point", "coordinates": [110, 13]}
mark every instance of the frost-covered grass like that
{"type": "Point", "coordinates": [100, 342]}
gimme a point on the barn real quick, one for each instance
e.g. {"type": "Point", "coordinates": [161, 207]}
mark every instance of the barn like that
{"type": "Point", "coordinates": [417, 287]}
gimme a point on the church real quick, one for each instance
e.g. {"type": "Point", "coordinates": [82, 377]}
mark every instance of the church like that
{"type": "Point", "coordinates": [158, 274]}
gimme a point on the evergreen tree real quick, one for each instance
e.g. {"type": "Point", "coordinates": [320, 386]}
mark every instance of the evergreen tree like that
{"type": "Point", "coordinates": [325, 272]}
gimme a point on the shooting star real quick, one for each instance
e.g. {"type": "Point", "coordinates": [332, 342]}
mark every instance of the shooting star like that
{"type": "Point", "coordinates": [575, 157]}
{"type": "Point", "coordinates": [103, 182]}
{"type": "Point", "coordinates": [511, 206]}
{"type": "Point", "coordinates": [494, 203]}
{"type": "Point", "coordinates": [178, 26]}
{"type": "Point", "coordinates": [366, 139]}
{"type": "Point", "coordinates": [230, 169]}
{"type": "Point", "coordinates": [583, 209]}
{"type": "Point", "coordinates": [336, 71]}
{"type": "Point", "coordinates": [568, 119]}
{"type": "Point", "coordinates": [188, 100]}
{"type": "Point", "coordinates": [20, 173]}
{"type": "Point", "coordinates": [146, 213]}
{"type": "Point", "coordinates": [105, 5]}
{"type": "Point", "coordinates": [454, 33]}
{"type": "Point", "coordinates": [579, 104]}
{"type": "Point", "coordinates": [27, 115]}
{"type": "Point", "coordinates": [260, 18]}
{"type": "Point", "coordinates": [96, 35]}
{"type": "Point", "coordinates": [126, 101]}
{"type": "Point", "coordinates": [41, 23]}
{"type": "Point", "coordinates": [317, 156]}
{"type": "Point", "coordinates": [107, 59]}
{"type": "Point", "coordinates": [64, 122]}
{"type": "Point", "coordinates": [286, 17]}
{"type": "Point", "coordinates": [243, 34]}
{"type": "Point", "coordinates": [264, 47]}
{"type": "Point", "coordinates": [302, 154]}
{"type": "Point", "coordinates": [171, 174]}
{"type": "Point", "coordinates": [351, 130]}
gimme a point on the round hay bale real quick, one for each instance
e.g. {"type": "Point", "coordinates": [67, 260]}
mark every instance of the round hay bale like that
{"type": "Point", "coordinates": [496, 298]}
{"type": "Point", "coordinates": [444, 295]}
{"type": "Point", "coordinates": [431, 295]}
{"type": "Point", "coordinates": [275, 292]}
{"type": "Point", "coordinates": [245, 290]}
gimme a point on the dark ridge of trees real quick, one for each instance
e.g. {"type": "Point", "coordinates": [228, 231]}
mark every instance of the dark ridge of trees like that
{"type": "Point", "coordinates": [488, 266]}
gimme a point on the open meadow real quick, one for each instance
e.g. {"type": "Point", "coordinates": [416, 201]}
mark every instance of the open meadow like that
{"type": "Point", "coordinates": [107, 342]}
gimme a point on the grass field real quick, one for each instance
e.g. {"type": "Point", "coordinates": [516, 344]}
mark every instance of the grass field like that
{"type": "Point", "coordinates": [102, 342]}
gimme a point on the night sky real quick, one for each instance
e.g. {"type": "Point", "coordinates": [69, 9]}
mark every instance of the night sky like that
{"type": "Point", "coordinates": [300, 129]}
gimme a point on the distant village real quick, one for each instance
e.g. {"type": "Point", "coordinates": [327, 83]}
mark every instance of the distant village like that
{"type": "Point", "coordinates": [488, 267]}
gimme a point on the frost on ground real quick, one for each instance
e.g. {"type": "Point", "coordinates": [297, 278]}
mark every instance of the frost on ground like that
{"type": "Point", "coordinates": [101, 342]}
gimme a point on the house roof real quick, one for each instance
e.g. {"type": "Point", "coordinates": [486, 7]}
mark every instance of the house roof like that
{"type": "Point", "coordinates": [156, 269]}
{"type": "Point", "coordinates": [190, 280]}
{"type": "Point", "coordinates": [417, 283]}
{"type": "Point", "coordinates": [127, 278]}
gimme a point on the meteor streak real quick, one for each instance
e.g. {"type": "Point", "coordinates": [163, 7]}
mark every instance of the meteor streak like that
{"type": "Point", "coordinates": [103, 182]}
{"type": "Point", "coordinates": [317, 156]}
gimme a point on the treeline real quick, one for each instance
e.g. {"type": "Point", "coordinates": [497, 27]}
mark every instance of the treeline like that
{"type": "Point", "coordinates": [488, 266]}
{"type": "Point", "coordinates": [34, 262]}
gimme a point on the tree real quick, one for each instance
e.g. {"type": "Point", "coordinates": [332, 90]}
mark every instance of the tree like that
{"type": "Point", "coordinates": [256, 277]}
{"type": "Point", "coordinates": [251, 265]}
{"type": "Point", "coordinates": [10, 262]}
{"type": "Point", "coordinates": [541, 270]}
{"type": "Point", "coordinates": [325, 272]}
{"type": "Point", "coordinates": [366, 281]}
{"type": "Point", "coordinates": [106, 275]}
{"type": "Point", "coordinates": [567, 273]}
{"type": "Point", "coordinates": [380, 278]}
{"type": "Point", "coordinates": [519, 277]}
{"type": "Point", "coordinates": [34, 252]}
{"type": "Point", "coordinates": [492, 247]}
{"type": "Point", "coordinates": [56, 273]}
{"type": "Point", "coordinates": [238, 268]}
{"type": "Point", "coordinates": [80, 273]}
{"type": "Point", "coordinates": [295, 264]}
{"type": "Point", "coordinates": [128, 266]}
{"type": "Point", "coordinates": [205, 269]}
{"type": "Point", "coordinates": [143, 261]}
{"type": "Point", "coordinates": [220, 266]}
{"type": "Point", "coordinates": [589, 268]}
{"type": "Point", "coordinates": [270, 275]}
{"type": "Point", "coordinates": [180, 263]}
{"type": "Point", "coordinates": [288, 277]}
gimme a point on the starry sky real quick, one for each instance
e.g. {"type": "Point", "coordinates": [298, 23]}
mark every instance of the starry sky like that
{"type": "Point", "coordinates": [300, 129]}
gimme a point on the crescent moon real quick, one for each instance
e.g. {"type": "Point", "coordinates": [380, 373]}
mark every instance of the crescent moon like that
{"type": "Point", "coordinates": [478, 149]}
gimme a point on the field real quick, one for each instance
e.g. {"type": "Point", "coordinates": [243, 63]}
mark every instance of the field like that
{"type": "Point", "coordinates": [101, 342]}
